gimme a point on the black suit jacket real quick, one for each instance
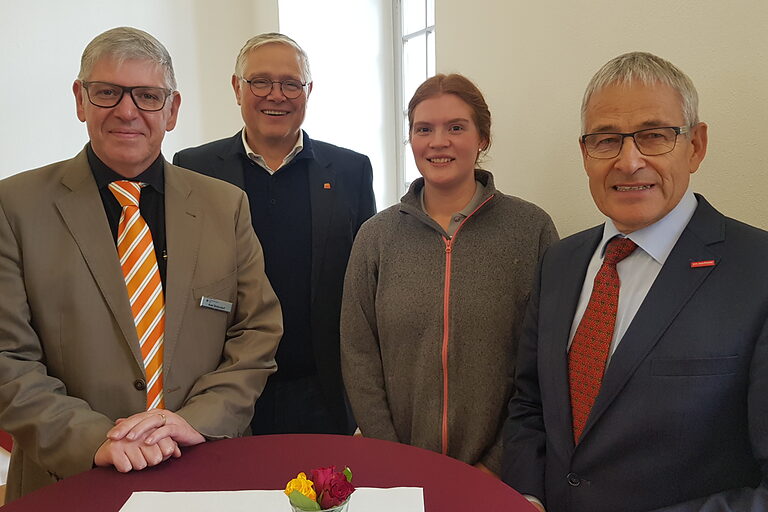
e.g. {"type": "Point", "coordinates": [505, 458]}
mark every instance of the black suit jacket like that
{"type": "Point", "coordinates": [681, 420]}
{"type": "Point", "coordinates": [337, 213]}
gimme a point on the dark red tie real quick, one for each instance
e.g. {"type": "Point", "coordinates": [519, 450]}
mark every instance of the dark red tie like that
{"type": "Point", "coordinates": [592, 341]}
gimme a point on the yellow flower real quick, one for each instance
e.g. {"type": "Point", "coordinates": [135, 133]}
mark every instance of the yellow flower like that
{"type": "Point", "coordinates": [301, 484]}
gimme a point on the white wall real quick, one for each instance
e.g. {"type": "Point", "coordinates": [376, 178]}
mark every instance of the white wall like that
{"type": "Point", "coordinates": [42, 41]}
{"type": "Point", "coordinates": [534, 59]}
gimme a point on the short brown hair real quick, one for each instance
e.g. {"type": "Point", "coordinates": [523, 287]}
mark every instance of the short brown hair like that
{"type": "Point", "coordinates": [462, 87]}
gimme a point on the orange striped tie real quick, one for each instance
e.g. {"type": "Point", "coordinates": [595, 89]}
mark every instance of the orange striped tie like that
{"type": "Point", "coordinates": [145, 289]}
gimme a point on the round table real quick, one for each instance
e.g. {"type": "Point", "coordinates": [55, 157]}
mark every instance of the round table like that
{"type": "Point", "coordinates": [268, 462]}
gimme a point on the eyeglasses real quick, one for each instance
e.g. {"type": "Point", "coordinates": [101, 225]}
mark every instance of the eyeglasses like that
{"type": "Point", "coordinates": [107, 95]}
{"type": "Point", "coordinates": [261, 87]}
{"type": "Point", "coordinates": [649, 142]}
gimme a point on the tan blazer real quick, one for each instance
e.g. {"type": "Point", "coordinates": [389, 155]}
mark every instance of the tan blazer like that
{"type": "Point", "coordinates": [69, 355]}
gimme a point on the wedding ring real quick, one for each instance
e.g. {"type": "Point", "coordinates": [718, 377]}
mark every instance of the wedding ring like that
{"type": "Point", "coordinates": [164, 420]}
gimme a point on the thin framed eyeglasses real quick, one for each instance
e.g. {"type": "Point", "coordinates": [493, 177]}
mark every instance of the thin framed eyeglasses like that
{"type": "Point", "coordinates": [107, 95]}
{"type": "Point", "coordinates": [261, 87]}
{"type": "Point", "coordinates": [649, 141]}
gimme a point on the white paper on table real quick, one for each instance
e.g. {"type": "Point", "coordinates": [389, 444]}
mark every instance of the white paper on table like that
{"type": "Point", "coordinates": [364, 499]}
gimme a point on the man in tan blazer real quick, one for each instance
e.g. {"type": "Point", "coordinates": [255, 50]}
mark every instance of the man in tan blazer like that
{"type": "Point", "coordinates": [73, 386]}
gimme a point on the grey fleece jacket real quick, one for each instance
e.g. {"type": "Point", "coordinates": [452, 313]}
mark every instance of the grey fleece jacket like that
{"type": "Point", "coordinates": [430, 325]}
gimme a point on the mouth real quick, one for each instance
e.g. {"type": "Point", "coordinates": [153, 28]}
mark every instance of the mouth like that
{"type": "Point", "coordinates": [631, 188]}
{"type": "Point", "coordinates": [275, 113]}
{"type": "Point", "coordinates": [440, 160]}
{"type": "Point", "coordinates": [125, 133]}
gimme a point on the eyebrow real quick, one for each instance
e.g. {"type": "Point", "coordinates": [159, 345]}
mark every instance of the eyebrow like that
{"type": "Point", "coordinates": [450, 121]}
{"type": "Point", "coordinates": [612, 128]}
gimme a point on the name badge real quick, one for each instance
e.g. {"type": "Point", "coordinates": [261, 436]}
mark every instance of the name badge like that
{"type": "Point", "coordinates": [218, 305]}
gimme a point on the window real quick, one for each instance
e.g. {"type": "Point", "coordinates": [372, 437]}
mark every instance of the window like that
{"type": "Point", "coordinates": [352, 102]}
{"type": "Point", "coordinates": [415, 59]}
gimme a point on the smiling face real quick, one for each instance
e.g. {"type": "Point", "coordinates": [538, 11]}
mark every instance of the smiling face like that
{"type": "Point", "coordinates": [274, 119]}
{"type": "Point", "coordinates": [125, 138]}
{"type": "Point", "coordinates": [632, 189]}
{"type": "Point", "coordinates": [445, 141]}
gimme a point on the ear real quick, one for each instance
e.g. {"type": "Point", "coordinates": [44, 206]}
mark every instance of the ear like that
{"type": "Point", "coordinates": [698, 142]}
{"type": "Point", "coordinates": [170, 124]}
{"type": "Point", "coordinates": [583, 153]}
{"type": "Point", "coordinates": [77, 89]}
{"type": "Point", "coordinates": [236, 82]}
{"type": "Point", "coordinates": [309, 88]}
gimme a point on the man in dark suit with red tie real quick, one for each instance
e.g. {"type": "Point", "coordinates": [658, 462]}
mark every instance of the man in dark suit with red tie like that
{"type": "Point", "coordinates": [643, 366]}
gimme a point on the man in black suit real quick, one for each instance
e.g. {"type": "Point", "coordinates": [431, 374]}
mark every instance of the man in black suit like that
{"type": "Point", "coordinates": [642, 381]}
{"type": "Point", "coordinates": [308, 199]}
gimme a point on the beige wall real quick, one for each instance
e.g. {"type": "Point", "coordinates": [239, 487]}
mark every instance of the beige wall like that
{"type": "Point", "coordinates": [533, 60]}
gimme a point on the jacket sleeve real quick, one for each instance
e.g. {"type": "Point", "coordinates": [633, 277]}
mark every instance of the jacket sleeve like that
{"type": "Point", "coordinates": [61, 433]}
{"type": "Point", "coordinates": [523, 460]}
{"type": "Point", "coordinates": [745, 498]}
{"type": "Point", "coordinates": [367, 203]}
{"type": "Point", "coordinates": [361, 362]}
{"type": "Point", "coordinates": [220, 403]}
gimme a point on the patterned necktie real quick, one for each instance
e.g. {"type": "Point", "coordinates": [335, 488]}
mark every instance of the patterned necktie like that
{"type": "Point", "coordinates": [589, 350]}
{"type": "Point", "coordinates": [145, 290]}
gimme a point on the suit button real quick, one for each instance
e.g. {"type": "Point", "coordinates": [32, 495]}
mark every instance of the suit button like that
{"type": "Point", "coordinates": [573, 479]}
{"type": "Point", "coordinates": [140, 384]}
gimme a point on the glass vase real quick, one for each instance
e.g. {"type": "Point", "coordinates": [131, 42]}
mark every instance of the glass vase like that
{"type": "Point", "coordinates": [339, 508]}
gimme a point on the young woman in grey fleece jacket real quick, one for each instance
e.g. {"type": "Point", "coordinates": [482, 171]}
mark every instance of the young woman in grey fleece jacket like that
{"type": "Point", "coordinates": [433, 304]}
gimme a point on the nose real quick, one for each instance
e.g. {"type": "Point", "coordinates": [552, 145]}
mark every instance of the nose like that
{"type": "Point", "coordinates": [630, 159]}
{"type": "Point", "coordinates": [439, 139]}
{"type": "Point", "coordinates": [126, 107]}
{"type": "Point", "coordinates": [276, 92]}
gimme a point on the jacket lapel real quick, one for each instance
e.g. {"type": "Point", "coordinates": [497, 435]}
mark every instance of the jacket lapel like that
{"type": "Point", "coordinates": [322, 196]}
{"type": "Point", "coordinates": [673, 288]}
{"type": "Point", "coordinates": [182, 232]}
{"type": "Point", "coordinates": [559, 312]}
{"type": "Point", "coordinates": [80, 208]}
{"type": "Point", "coordinates": [233, 157]}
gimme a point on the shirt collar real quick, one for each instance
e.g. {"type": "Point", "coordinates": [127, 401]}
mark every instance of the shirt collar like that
{"type": "Point", "coordinates": [659, 238]}
{"type": "Point", "coordinates": [153, 175]}
{"type": "Point", "coordinates": [263, 163]}
{"type": "Point", "coordinates": [471, 205]}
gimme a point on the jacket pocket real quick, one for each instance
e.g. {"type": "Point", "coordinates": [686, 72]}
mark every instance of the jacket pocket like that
{"type": "Point", "coordinates": [725, 365]}
{"type": "Point", "coordinates": [222, 289]}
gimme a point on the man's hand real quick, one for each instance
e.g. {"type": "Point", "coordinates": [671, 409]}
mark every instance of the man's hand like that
{"type": "Point", "coordinates": [153, 426]}
{"type": "Point", "coordinates": [536, 504]}
{"type": "Point", "coordinates": [128, 455]}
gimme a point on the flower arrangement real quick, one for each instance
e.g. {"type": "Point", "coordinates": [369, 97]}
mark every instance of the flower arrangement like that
{"type": "Point", "coordinates": [325, 489]}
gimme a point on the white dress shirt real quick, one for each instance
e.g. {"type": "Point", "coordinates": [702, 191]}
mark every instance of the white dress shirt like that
{"type": "Point", "coordinates": [257, 158]}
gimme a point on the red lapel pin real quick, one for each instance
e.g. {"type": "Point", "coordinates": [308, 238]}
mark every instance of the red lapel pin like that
{"type": "Point", "coordinates": [327, 186]}
{"type": "Point", "coordinates": [703, 263]}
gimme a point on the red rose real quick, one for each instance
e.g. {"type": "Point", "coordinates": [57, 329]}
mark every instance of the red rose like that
{"type": "Point", "coordinates": [320, 477]}
{"type": "Point", "coordinates": [336, 490]}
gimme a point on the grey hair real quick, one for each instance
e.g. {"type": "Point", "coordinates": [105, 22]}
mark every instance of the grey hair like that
{"type": "Point", "coordinates": [126, 43]}
{"type": "Point", "coordinates": [270, 38]}
{"type": "Point", "coordinates": [647, 69]}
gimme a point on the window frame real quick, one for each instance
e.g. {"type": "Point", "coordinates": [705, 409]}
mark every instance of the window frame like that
{"type": "Point", "coordinates": [401, 108]}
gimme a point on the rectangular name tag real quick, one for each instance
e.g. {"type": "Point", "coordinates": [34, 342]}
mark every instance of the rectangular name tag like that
{"type": "Point", "coordinates": [218, 305]}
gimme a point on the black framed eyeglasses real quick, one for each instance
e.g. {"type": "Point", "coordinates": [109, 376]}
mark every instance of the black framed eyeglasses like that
{"type": "Point", "coordinates": [649, 142]}
{"type": "Point", "coordinates": [107, 95]}
{"type": "Point", "coordinates": [261, 87]}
